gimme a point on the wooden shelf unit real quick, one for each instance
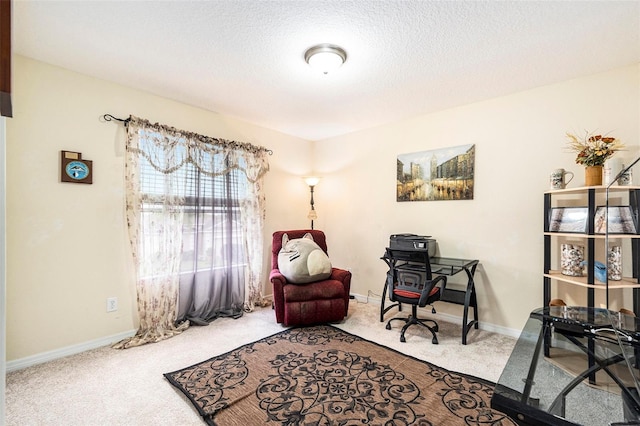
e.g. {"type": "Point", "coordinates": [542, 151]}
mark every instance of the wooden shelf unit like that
{"type": "Point", "coordinates": [590, 195]}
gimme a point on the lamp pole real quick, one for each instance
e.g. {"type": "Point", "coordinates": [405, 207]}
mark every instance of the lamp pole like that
{"type": "Point", "coordinates": [312, 181]}
{"type": "Point", "coordinates": [312, 213]}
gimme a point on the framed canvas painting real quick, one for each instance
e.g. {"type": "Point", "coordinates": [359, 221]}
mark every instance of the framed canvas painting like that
{"type": "Point", "coordinates": [440, 174]}
{"type": "Point", "coordinates": [620, 218]}
{"type": "Point", "coordinates": [568, 219]}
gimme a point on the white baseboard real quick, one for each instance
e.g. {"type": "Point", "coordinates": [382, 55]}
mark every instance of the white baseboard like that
{"type": "Point", "coordinates": [19, 364]}
{"type": "Point", "coordinates": [29, 361]}
{"type": "Point", "coordinates": [512, 332]}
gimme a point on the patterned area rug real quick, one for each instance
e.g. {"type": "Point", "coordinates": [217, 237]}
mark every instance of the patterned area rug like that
{"type": "Point", "coordinates": [325, 376]}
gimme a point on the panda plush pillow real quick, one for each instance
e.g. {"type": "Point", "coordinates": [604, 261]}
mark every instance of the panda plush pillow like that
{"type": "Point", "coordinates": [302, 261]}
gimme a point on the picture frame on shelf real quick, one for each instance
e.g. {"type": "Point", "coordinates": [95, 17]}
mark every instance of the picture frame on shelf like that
{"type": "Point", "coordinates": [568, 219]}
{"type": "Point", "coordinates": [620, 218]}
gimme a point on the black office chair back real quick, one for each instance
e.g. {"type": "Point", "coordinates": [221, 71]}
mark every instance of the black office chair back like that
{"type": "Point", "coordinates": [409, 278]}
{"type": "Point", "coordinates": [412, 287]}
{"type": "Point", "coordinates": [416, 257]}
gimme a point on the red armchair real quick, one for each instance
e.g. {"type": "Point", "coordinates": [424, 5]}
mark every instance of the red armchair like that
{"type": "Point", "coordinates": [312, 303]}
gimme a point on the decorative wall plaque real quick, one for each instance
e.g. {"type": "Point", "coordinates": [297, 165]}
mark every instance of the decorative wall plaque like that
{"type": "Point", "coordinates": [74, 169]}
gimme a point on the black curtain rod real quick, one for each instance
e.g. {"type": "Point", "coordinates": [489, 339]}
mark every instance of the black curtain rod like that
{"type": "Point", "coordinates": [109, 117]}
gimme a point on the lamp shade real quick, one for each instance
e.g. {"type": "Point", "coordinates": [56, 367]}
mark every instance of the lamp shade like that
{"type": "Point", "coordinates": [312, 180]}
{"type": "Point", "coordinates": [325, 57]}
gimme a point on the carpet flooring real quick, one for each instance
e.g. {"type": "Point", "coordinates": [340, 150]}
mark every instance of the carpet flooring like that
{"type": "Point", "coordinates": [112, 387]}
{"type": "Point", "coordinates": [325, 376]}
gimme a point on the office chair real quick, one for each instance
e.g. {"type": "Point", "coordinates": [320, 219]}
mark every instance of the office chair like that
{"type": "Point", "coordinates": [409, 281]}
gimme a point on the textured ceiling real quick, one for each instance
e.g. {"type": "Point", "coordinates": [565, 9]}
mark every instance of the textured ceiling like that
{"type": "Point", "coordinates": [245, 58]}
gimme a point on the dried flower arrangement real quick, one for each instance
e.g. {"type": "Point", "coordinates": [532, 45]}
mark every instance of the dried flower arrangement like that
{"type": "Point", "coordinates": [593, 150]}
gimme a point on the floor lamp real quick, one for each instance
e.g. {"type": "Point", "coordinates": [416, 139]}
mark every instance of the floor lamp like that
{"type": "Point", "coordinates": [312, 181]}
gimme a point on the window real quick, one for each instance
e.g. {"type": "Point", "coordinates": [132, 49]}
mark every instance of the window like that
{"type": "Point", "coordinates": [210, 210]}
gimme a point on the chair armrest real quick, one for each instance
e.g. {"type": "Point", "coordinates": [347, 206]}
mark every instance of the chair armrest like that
{"type": "Point", "coordinates": [424, 296]}
{"type": "Point", "coordinates": [340, 275]}
{"type": "Point", "coordinates": [276, 275]}
{"type": "Point", "coordinates": [442, 278]}
{"type": "Point", "coordinates": [279, 281]}
{"type": "Point", "coordinates": [344, 277]}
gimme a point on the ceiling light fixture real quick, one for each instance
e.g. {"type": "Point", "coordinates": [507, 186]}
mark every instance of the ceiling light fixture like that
{"type": "Point", "coordinates": [325, 57]}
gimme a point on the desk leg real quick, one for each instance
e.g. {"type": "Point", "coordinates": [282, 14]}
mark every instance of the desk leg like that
{"type": "Point", "coordinates": [469, 300]}
{"type": "Point", "coordinates": [384, 297]}
{"type": "Point", "coordinates": [528, 384]}
{"type": "Point", "coordinates": [384, 310]}
{"type": "Point", "coordinates": [557, 406]}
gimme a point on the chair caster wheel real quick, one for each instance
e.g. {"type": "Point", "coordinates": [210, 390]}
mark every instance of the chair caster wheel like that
{"type": "Point", "coordinates": [402, 339]}
{"type": "Point", "coordinates": [388, 327]}
{"type": "Point", "coordinates": [434, 340]}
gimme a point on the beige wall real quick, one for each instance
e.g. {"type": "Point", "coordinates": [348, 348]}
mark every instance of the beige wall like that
{"type": "Point", "coordinates": [67, 247]}
{"type": "Point", "coordinates": [519, 140]}
{"type": "Point", "coordinates": [66, 243]}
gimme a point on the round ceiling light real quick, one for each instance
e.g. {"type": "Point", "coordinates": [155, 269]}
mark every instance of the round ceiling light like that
{"type": "Point", "coordinates": [325, 57]}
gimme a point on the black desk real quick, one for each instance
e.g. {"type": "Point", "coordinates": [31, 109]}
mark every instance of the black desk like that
{"type": "Point", "coordinates": [446, 266]}
{"type": "Point", "coordinates": [555, 390]}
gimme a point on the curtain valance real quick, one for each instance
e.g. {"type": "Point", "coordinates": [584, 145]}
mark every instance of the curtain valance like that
{"type": "Point", "coordinates": [167, 149]}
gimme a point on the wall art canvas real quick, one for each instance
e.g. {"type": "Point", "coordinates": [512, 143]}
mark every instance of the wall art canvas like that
{"type": "Point", "coordinates": [620, 218]}
{"type": "Point", "coordinates": [568, 219]}
{"type": "Point", "coordinates": [441, 174]}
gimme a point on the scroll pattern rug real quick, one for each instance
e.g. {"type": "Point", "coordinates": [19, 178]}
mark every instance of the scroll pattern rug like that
{"type": "Point", "coordinates": [325, 376]}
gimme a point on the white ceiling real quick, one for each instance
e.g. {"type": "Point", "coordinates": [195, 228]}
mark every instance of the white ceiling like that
{"type": "Point", "coordinates": [245, 58]}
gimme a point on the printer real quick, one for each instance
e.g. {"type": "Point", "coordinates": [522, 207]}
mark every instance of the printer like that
{"type": "Point", "coordinates": [413, 242]}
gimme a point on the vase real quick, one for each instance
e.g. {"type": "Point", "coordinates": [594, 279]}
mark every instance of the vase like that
{"type": "Point", "coordinates": [615, 263]}
{"type": "Point", "coordinates": [593, 175]}
{"type": "Point", "coordinates": [571, 257]}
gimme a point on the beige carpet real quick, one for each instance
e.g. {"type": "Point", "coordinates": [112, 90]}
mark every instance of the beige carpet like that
{"type": "Point", "coordinates": [126, 387]}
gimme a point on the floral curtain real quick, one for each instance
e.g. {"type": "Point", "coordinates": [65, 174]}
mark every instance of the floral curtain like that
{"type": "Point", "coordinates": [156, 217]}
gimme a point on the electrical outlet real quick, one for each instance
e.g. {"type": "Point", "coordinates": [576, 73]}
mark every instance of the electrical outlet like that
{"type": "Point", "coordinates": [112, 304]}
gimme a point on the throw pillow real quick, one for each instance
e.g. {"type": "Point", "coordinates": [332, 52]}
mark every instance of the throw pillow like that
{"type": "Point", "coordinates": [302, 261]}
